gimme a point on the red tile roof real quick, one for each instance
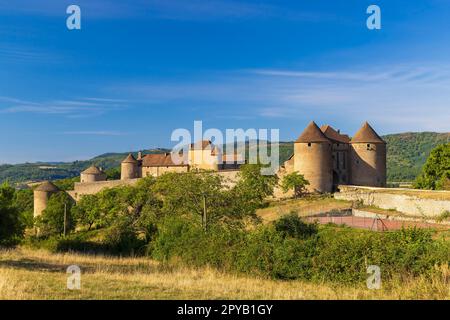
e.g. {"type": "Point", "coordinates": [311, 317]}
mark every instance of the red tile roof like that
{"type": "Point", "coordinates": [159, 160]}
{"type": "Point", "coordinates": [334, 135]}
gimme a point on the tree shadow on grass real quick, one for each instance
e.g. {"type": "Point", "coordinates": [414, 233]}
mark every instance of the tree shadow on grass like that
{"type": "Point", "coordinates": [33, 265]}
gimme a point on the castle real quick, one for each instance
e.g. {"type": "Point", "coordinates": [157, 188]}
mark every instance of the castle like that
{"type": "Point", "coordinates": [326, 158]}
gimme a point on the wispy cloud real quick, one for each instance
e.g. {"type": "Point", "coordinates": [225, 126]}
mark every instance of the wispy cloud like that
{"type": "Point", "coordinates": [70, 108]}
{"type": "Point", "coordinates": [398, 98]}
{"type": "Point", "coordinates": [21, 53]}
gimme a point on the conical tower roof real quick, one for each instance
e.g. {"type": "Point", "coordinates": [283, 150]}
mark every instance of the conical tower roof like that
{"type": "Point", "coordinates": [366, 135]}
{"type": "Point", "coordinates": [92, 170]}
{"type": "Point", "coordinates": [312, 133]}
{"type": "Point", "coordinates": [130, 159]}
{"type": "Point", "coordinates": [47, 186]}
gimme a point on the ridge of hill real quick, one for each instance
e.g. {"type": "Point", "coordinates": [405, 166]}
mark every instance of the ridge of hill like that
{"type": "Point", "coordinates": [407, 153]}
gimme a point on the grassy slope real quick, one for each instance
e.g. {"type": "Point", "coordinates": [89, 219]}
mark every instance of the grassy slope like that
{"type": "Point", "coordinates": [407, 153]}
{"type": "Point", "coordinates": [29, 274]}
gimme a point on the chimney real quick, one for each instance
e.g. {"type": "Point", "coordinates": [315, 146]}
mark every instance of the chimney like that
{"type": "Point", "coordinates": [139, 155]}
{"type": "Point", "coordinates": [339, 131]}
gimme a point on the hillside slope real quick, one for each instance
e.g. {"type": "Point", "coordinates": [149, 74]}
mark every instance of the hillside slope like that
{"type": "Point", "coordinates": [407, 152]}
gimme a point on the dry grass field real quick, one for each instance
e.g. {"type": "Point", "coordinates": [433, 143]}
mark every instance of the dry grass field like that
{"type": "Point", "coordinates": [38, 274]}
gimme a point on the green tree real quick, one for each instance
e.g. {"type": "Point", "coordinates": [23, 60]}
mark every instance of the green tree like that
{"type": "Point", "coordinates": [11, 227]}
{"type": "Point", "coordinates": [51, 222]}
{"type": "Point", "coordinates": [23, 201]}
{"type": "Point", "coordinates": [66, 184]}
{"type": "Point", "coordinates": [294, 181]}
{"type": "Point", "coordinates": [436, 171]}
{"type": "Point", "coordinates": [113, 173]}
{"type": "Point", "coordinates": [253, 187]}
{"type": "Point", "coordinates": [187, 194]}
{"type": "Point", "coordinates": [87, 212]}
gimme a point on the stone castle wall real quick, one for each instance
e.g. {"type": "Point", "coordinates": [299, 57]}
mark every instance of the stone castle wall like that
{"type": "Point", "coordinates": [95, 187]}
{"type": "Point", "coordinates": [408, 201]}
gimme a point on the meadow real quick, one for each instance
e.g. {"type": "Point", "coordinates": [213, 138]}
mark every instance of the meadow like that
{"type": "Point", "coordinates": [39, 274]}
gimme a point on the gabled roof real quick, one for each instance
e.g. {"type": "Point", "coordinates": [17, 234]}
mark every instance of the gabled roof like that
{"type": "Point", "coordinates": [129, 159]}
{"type": "Point", "coordinates": [47, 186]}
{"type": "Point", "coordinates": [334, 135]}
{"type": "Point", "coordinates": [366, 135]}
{"type": "Point", "coordinates": [92, 170]}
{"type": "Point", "coordinates": [160, 160]}
{"type": "Point", "coordinates": [312, 133]}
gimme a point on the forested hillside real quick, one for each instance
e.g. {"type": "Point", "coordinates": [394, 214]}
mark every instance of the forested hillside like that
{"type": "Point", "coordinates": [407, 153]}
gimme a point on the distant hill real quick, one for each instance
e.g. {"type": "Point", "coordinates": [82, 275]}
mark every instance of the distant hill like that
{"type": "Point", "coordinates": [407, 152]}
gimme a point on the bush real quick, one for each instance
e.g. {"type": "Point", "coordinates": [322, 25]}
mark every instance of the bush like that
{"type": "Point", "coordinates": [122, 238]}
{"type": "Point", "coordinates": [292, 226]}
{"type": "Point", "coordinates": [289, 249]}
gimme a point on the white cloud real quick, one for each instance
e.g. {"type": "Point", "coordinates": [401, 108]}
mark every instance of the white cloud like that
{"type": "Point", "coordinates": [71, 108]}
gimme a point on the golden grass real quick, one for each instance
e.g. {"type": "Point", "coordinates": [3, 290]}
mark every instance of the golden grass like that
{"type": "Point", "coordinates": [29, 274]}
{"type": "Point", "coordinates": [304, 207]}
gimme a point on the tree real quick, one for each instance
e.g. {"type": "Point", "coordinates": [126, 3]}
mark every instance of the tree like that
{"type": "Point", "coordinates": [294, 181]}
{"type": "Point", "coordinates": [188, 194]}
{"type": "Point", "coordinates": [23, 201]}
{"type": "Point", "coordinates": [87, 211]}
{"type": "Point", "coordinates": [113, 173]}
{"type": "Point", "coordinates": [254, 187]}
{"type": "Point", "coordinates": [436, 171]}
{"type": "Point", "coordinates": [11, 228]}
{"type": "Point", "coordinates": [66, 184]}
{"type": "Point", "coordinates": [51, 221]}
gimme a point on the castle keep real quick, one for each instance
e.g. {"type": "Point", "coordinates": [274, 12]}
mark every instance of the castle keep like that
{"type": "Point", "coordinates": [326, 157]}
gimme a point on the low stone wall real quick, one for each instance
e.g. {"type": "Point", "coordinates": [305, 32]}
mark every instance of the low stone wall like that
{"type": "Point", "coordinates": [230, 176]}
{"type": "Point", "coordinates": [392, 198]}
{"type": "Point", "coordinates": [82, 188]}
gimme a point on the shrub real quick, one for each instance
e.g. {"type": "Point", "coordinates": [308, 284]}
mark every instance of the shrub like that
{"type": "Point", "coordinates": [292, 226]}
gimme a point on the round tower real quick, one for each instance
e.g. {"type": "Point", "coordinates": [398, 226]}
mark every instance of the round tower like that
{"type": "Point", "coordinates": [312, 159]}
{"type": "Point", "coordinates": [367, 158]}
{"type": "Point", "coordinates": [41, 196]}
{"type": "Point", "coordinates": [92, 174]}
{"type": "Point", "coordinates": [129, 168]}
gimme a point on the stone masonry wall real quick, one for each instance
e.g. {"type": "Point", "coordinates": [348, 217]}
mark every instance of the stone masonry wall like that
{"type": "Point", "coordinates": [392, 198]}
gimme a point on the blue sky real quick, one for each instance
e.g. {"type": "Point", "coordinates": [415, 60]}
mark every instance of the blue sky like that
{"type": "Point", "coordinates": [139, 69]}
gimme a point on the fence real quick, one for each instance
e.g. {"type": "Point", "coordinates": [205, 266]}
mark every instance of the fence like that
{"type": "Point", "coordinates": [374, 224]}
